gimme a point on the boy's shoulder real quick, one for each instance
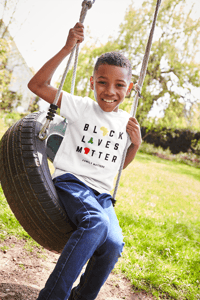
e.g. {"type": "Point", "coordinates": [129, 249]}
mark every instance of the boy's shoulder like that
{"type": "Point", "coordinates": [75, 97]}
{"type": "Point", "coordinates": [124, 113]}
{"type": "Point", "coordinates": [79, 101]}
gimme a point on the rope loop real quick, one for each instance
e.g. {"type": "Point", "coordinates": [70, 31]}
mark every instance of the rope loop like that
{"type": "Point", "coordinates": [85, 6]}
{"type": "Point", "coordinates": [88, 3]}
{"type": "Point", "coordinates": [137, 88]}
{"type": "Point", "coordinates": [43, 132]}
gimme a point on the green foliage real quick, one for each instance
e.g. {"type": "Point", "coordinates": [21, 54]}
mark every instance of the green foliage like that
{"type": "Point", "coordinates": [7, 98]}
{"type": "Point", "coordinates": [177, 140]}
{"type": "Point", "coordinates": [4, 248]}
{"type": "Point", "coordinates": [3, 127]}
{"type": "Point", "coordinates": [157, 206]}
{"type": "Point", "coordinates": [172, 71]}
{"type": "Point", "coordinates": [189, 158]}
{"type": "Point", "coordinates": [172, 66]}
{"type": "Point", "coordinates": [11, 118]}
{"type": "Point", "coordinates": [194, 117]}
{"type": "Point", "coordinates": [5, 74]}
{"type": "Point", "coordinates": [8, 223]}
{"type": "Point", "coordinates": [34, 106]}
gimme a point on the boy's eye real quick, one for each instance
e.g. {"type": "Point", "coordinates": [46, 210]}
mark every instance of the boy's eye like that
{"type": "Point", "coordinates": [120, 85]}
{"type": "Point", "coordinates": [102, 82]}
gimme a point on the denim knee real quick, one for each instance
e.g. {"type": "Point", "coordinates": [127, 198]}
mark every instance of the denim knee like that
{"type": "Point", "coordinates": [102, 222]}
{"type": "Point", "coordinates": [115, 245]}
{"type": "Point", "coordinates": [98, 226]}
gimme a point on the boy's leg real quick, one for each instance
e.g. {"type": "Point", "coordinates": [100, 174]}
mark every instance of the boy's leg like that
{"type": "Point", "coordinates": [103, 259]}
{"type": "Point", "coordinates": [92, 228]}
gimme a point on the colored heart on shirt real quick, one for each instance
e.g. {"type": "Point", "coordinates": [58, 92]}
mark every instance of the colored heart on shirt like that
{"type": "Point", "coordinates": [87, 150]}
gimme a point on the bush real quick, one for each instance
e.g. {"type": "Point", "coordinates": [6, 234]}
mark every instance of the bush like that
{"type": "Point", "coordinates": [176, 140]}
{"type": "Point", "coordinates": [188, 158]}
{"type": "Point", "coordinates": [12, 118]}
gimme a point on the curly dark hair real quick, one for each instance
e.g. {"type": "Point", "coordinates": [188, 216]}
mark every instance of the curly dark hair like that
{"type": "Point", "coordinates": [116, 59]}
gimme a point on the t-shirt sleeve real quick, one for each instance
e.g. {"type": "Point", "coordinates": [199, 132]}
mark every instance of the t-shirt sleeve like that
{"type": "Point", "coordinates": [72, 107]}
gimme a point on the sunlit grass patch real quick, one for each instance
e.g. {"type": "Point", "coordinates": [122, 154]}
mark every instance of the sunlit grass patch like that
{"type": "Point", "coordinates": [3, 127]}
{"type": "Point", "coordinates": [158, 206]}
{"type": "Point", "coordinates": [158, 209]}
{"type": "Point", "coordinates": [8, 223]}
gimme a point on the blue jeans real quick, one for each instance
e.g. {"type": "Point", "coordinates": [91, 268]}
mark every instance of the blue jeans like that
{"type": "Point", "coordinates": [98, 238]}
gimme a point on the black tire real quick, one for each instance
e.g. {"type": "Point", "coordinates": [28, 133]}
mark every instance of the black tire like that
{"type": "Point", "coordinates": [28, 187]}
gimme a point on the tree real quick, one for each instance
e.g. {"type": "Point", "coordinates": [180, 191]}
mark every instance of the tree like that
{"type": "Point", "coordinates": [172, 70]}
{"type": "Point", "coordinates": [9, 8]}
{"type": "Point", "coordinates": [7, 97]}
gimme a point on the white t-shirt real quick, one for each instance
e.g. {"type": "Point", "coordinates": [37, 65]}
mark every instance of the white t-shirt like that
{"type": "Point", "coordinates": [93, 143]}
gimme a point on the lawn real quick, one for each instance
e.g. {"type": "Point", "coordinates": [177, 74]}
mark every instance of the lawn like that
{"type": "Point", "coordinates": [3, 127]}
{"type": "Point", "coordinates": [158, 209]}
{"type": "Point", "coordinates": [158, 205]}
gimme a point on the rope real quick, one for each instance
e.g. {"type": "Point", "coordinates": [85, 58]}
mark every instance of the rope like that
{"type": "Point", "coordinates": [85, 6]}
{"type": "Point", "coordinates": [138, 88]}
{"type": "Point", "coordinates": [43, 133]}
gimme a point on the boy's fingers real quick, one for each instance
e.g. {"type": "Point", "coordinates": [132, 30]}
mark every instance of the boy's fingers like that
{"type": "Point", "coordinates": [77, 29]}
{"type": "Point", "coordinates": [133, 120]}
{"type": "Point", "coordinates": [133, 124]}
{"type": "Point", "coordinates": [77, 35]}
{"type": "Point", "coordinates": [77, 32]}
{"type": "Point", "coordinates": [79, 25]}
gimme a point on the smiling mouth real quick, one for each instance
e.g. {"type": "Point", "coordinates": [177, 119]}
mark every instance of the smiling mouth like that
{"type": "Point", "coordinates": [109, 101]}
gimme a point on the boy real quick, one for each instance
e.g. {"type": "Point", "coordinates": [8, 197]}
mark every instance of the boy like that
{"type": "Point", "coordinates": [85, 166]}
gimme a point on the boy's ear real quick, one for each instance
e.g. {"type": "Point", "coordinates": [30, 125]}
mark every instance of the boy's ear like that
{"type": "Point", "coordinates": [129, 88]}
{"type": "Point", "coordinates": [91, 83]}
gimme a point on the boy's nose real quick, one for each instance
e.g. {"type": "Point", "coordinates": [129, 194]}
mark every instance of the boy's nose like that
{"type": "Point", "coordinates": [110, 90]}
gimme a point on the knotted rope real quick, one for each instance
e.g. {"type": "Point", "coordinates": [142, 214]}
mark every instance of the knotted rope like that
{"type": "Point", "coordinates": [138, 88]}
{"type": "Point", "coordinates": [53, 107]}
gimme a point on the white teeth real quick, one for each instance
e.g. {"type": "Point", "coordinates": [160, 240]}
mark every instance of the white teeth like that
{"type": "Point", "coordinates": [108, 101]}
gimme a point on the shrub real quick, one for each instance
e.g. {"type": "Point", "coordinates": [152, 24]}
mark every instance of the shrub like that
{"type": "Point", "coordinates": [177, 140]}
{"type": "Point", "coordinates": [188, 158]}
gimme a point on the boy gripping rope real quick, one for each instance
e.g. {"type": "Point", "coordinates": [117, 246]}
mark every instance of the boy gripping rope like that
{"type": "Point", "coordinates": [85, 166]}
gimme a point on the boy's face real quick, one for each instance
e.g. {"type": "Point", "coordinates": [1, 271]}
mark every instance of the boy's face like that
{"type": "Point", "coordinates": [111, 85]}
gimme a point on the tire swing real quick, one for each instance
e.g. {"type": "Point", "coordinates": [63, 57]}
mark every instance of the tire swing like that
{"type": "Point", "coordinates": [24, 173]}
{"type": "Point", "coordinates": [27, 184]}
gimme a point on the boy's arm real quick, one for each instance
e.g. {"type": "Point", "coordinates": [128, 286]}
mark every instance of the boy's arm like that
{"type": "Point", "coordinates": [133, 129]}
{"type": "Point", "coordinates": [40, 84]}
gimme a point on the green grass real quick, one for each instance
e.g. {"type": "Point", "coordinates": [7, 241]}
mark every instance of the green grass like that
{"type": "Point", "coordinates": [158, 206]}
{"type": "Point", "coordinates": [8, 223]}
{"type": "Point", "coordinates": [3, 127]}
{"type": "Point", "coordinates": [159, 211]}
{"type": "Point", "coordinates": [188, 158]}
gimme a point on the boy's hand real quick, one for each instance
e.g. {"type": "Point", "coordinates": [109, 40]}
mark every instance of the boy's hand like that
{"type": "Point", "coordinates": [76, 35]}
{"type": "Point", "coordinates": [133, 129]}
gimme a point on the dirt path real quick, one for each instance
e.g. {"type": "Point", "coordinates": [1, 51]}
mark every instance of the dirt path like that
{"type": "Point", "coordinates": [24, 271]}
